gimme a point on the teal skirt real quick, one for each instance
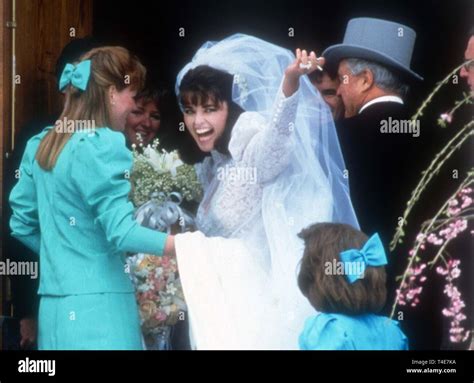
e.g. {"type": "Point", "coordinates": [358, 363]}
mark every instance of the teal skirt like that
{"type": "Point", "coordinates": [106, 321]}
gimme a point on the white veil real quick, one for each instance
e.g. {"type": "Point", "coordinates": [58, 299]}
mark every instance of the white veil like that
{"type": "Point", "coordinates": [312, 188]}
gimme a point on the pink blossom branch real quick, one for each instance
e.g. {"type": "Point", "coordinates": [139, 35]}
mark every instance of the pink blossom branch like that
{"type": "Point", "coordinates": [439, 160]}
{"type": "Point", "coordinates": [443, 82]}
{"type": "Point", "coordinates": [447, 220]}
{"type": "Point", "coordinates": [419, 243]}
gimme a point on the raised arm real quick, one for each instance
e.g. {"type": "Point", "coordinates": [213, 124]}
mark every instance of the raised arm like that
{"type": "Point", "coordinates": [303, 64]}
{"type": "Point", "coordinates": [267, 145]}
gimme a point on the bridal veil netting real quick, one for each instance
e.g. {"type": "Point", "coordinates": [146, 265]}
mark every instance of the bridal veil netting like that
{"type": "Point", "coordinates": [241, 285]}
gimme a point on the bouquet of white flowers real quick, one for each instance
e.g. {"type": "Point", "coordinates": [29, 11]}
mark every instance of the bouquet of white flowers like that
{"type": "Point", "coordinates": [160, 183]}
{"type": "Point", "coordinates": [157, 171]}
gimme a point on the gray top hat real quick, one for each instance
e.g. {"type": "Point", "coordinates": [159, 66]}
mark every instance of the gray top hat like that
{"type": "Point", "coordinates": [384, 42]}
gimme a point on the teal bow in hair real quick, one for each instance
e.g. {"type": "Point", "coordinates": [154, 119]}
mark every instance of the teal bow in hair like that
{"type": "Point", "coordinates": [76, 75]}
{"type": "Point", "coordinates": [355, 261]}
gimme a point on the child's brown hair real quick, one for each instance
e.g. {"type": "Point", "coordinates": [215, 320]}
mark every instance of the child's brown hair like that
{"type": "Point", "coordinates": [332, 292]}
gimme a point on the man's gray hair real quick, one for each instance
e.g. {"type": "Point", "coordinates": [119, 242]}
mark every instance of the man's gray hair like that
{"type": "Point", "coordinates": [383, 77]}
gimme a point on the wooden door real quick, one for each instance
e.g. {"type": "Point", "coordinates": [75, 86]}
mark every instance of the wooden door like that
{"type": "Point", "coordinates": [32, 35]}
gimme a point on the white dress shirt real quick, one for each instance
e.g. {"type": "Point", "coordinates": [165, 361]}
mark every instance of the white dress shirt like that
{"type": "Point", "coordinates": [381, 99]}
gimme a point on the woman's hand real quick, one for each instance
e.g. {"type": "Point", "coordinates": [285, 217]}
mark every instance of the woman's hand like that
{"type": "Point", "coordinates": [28, 332]}
{"type": "Point", "coordinates": [303, 64]}
{"type": "Point", "coordinates": [169, 246]}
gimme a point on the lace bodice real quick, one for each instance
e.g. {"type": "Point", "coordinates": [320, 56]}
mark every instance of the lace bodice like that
{"type": "Point", "coordinates": [233, 185]}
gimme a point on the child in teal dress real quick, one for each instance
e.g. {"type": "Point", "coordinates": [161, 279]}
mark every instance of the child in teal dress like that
{"type": "Point", "coordinates": [71, 206]}
{"type": "Point", "coordinates": [343, 276]}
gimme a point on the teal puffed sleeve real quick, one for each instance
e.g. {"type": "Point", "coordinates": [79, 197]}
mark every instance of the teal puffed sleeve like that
{"type": "Point", "coordinates": [322, 332]}
{"type": "Point", "coordinates": [24, 222]}
{"type": "Point", "coordinates": [100, 169]}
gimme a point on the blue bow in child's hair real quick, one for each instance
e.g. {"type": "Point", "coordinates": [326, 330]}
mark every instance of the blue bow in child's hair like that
{"type": "Point", "coordinates": [76, 75]}
{"type": "Point", "coordinates": [355, 261]}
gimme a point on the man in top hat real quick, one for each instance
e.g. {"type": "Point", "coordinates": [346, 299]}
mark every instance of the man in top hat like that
{"type": "Point", "coordinates": [373, 65]}
{"type": "Point", "coordinates": [381, 148]}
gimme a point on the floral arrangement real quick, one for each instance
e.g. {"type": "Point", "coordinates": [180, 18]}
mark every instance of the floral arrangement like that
{"type": "Point", "coordinates": [158, 176]}
{"type": "Point", "coordinates": [159, 292]}
{"type": "Point", "coordinates": [156, 170]}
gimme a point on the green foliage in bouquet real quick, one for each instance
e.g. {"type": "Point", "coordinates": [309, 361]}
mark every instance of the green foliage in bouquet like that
{"type": "Point", "coordinates": [158, 171]}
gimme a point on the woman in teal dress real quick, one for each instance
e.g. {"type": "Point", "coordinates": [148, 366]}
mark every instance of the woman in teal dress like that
{"type": "Point", "coordinates": [71, 206]}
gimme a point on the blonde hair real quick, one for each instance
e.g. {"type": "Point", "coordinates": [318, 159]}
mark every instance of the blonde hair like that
{"type": "Point", "coordinates": [110, 66]}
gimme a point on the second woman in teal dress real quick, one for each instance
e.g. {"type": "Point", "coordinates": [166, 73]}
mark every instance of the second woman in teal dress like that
{"type": "Point", "coordinates": [71, 206]}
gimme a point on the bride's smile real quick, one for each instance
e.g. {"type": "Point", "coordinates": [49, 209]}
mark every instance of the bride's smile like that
{"type": "Point", "coordinates": [206, 123]}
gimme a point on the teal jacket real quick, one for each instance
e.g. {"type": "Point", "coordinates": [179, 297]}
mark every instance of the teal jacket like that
{"type": "Point", "coordinates": [78, 216]}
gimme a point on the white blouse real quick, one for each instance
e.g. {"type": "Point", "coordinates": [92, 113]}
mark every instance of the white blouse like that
{"type": "Point", "coordinates": [233, 185]}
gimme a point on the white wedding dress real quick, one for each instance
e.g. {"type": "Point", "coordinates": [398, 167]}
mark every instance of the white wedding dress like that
{"type": "Point", "coordinates": [285, 171]}
{"type": "Point", "coordinates": [233, 291]}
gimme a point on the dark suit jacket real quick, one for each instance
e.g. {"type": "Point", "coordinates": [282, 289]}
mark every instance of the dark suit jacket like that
{"type": "Point", "coordinates": [383, 170]}
{"type": "Point", "coordinates": [383, 167]}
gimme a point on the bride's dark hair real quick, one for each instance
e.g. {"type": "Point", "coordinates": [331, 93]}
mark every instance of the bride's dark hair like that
{"type": "Point", "coordinates": [205, 83]}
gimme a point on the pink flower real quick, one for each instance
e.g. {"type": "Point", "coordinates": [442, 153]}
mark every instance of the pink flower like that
{"type": "Point", "coordinates": [420, 237]}
{"type": "Point", "coordinates": [455, 273]}
{"type": "Point", "coordinates": [418, 270]}
{"type": "Point", "coordinates": [433, 239]}
{"type": "Point", "coordinates": [453, 208]}
{"type": "Point", "coordinates": [456, 304]}
{"type": "Point", "coordinates": [453, 229]}
{"type": "Point", "coordinates": [467, 201]}
{"type": "Point", "coordinates": [160, 316]}
{"type": "Point", "coordinates": [441, 271]}
{"type": "Point", "coordinates": [447, 313]}
{"type": "Point", "coordinates": [446, 117]}
{"type": "Point", "coordinates": [453, 211]}
{"type": "Point", "coordinates": [410, 290]}
{"type": "Point", "coordinates": [461, 224]}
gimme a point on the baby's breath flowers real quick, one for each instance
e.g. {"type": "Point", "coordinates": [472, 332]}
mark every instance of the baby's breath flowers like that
{"type": "Point", "coordinates": [158, 171]}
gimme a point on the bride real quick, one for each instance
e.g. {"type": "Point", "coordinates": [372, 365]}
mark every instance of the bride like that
{"type": "Point", "coordinates": [274, 167]}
